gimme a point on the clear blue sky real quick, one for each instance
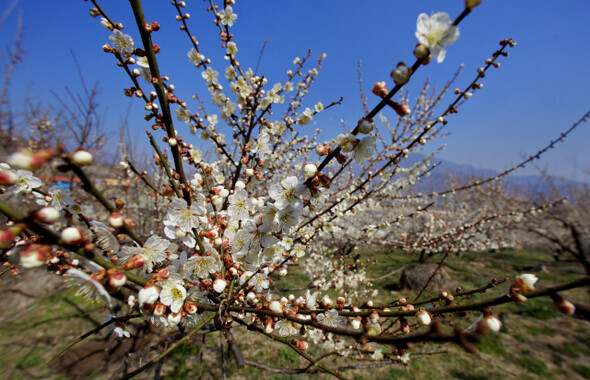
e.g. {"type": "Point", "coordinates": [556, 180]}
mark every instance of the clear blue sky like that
{"type": "Point", "coordinates": [540, 90]}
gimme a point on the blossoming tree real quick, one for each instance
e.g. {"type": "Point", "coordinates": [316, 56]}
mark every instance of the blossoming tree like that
{"type": "Point", "coordinates": [264, 197]}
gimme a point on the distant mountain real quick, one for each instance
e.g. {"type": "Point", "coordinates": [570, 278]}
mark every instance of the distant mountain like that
{"type": "Point", "coordinates": [437, 181]}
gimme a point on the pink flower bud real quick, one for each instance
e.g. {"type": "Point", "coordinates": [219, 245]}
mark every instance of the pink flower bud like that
{"type": "Point", "coordinates": [136, 262]}
{"type": "Point", "coordinates": [7, 177]}
{"type": "Point", "coordinates": [402, 109]}
{"type": "Point", "coordinates": [380, 89]}
{"type": "Point", "coordinates": [72, 235]}
{"type": "Point", "coordinates": [565, 307]}
{"type": "Point", "coordinates": [190, 307]}
{"type": "Point", "coordinates": [302, 345]}
{"type": "Point", "coordinates": [34, 255]}
{"type": "Point", "coordinates": [8, 236]}
{"type": "Point", "coordinates": [159, 309]}
{"type": "Point", "coordinates": [117, 279]}
{"type": "Point", "coordinates": [374, 317]}
{"type": "Point", "coordinates": [268, 326]}
{"type": "Point", "coordinates": [116, 220]}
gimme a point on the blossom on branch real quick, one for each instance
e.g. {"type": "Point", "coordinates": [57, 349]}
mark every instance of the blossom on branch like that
{"type": "Point", "coordinates": [435, 32]}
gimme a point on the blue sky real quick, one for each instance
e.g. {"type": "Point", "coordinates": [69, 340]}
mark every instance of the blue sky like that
{"type": "Point", "coordinates": [540, 90]}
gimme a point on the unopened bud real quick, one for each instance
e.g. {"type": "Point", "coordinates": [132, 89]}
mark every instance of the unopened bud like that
{"type": "Point", "coordinates": [82, 157]}
{"type": "Point", "coordinates": [72, 235]}
{"type": "Point", "coordinates": [402, 73]}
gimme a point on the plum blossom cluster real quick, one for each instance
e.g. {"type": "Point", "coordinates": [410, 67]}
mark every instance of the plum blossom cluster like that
{"type": "Point", "coordinates": [264, 200]}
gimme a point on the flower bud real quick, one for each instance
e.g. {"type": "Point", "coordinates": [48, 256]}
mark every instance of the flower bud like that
{"type": "Point", "coordinates": [159, 309]}
{"type": "Point", "coordinates": [72, 235]}
{"type": "Point", "coordinates": [117, 279]}
{"type": "Point", "coordinates": [34, 256]}
{"type": "Point", "coordinates": [380, 89]}
{"type": "Point", "coordinates": [310, 170]}
{"type": "Point", "coordinates": [402, 74]}
{"type": "Point", "coordinates": [7, 177]}
{"type": "Point", "coordinates": [493, 323]}
{"type": "Point", "coordinates": [302, 345]}
{"type": "Point", "coordinates": [276, 307]}
{"type": "Point", "coordinates": [365, 126]}
{"type": "Point", "coordinates": [374, 317]}
{"type": "Point", "coordinates": [526, 282]}
{"type": "Point", "coordinates": [116, 220]}
{"type": "Point", "coordinates": [81, 157]}
{"type": "Point", "coordinates": [356, 324]}
{"type": "Point", "coordinates": [219, 285]}
{"type": "Point", "coordinates": [402, 109]}
{"type": "Point", "coordinates": [421, 51]}
{"type": "Point", "coordinates": [148, 295]}
{"type": "Point", "coordinates": [190, 307]}
{"type": "Point", "coordinates": [565, 306]}
{"type": "Point", "coordinates": [174, 319]}
{"type": "Point", "coordinates": [423, 317]}
{"type": "Point", "coordinates": [47, 215]}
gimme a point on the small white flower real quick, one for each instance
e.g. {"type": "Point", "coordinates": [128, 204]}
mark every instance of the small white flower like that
{"type": "Point", "coordinates": [364, 149]}
{"type": "Point", "coordinates": [227, 16]}
{"type": "Point", "coordinates": [435, 32]}
{"type": "Point", "coordinates": [287, 192]}
{"type": "Point", "coordinates": [331, 318]}
{"type": "Point", "coordinates": [172, 295]}
{"type": "Point", "coordinates": [123, 42]}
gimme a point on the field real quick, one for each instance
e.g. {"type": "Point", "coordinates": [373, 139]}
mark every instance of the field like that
{"type": "Point", "coordinates": [536, 342]}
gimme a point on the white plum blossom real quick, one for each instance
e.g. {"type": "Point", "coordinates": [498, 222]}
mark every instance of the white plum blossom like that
{"type": "Point", "coordinates": [210, 75]}
{"type": "Point", "coordinates": [144, 67]}
{"type": "Point", "coordinates": [105, 240]}
{"type": "Point", "coordinates": [202, 266]}
{"type": "Point", "coordinates": [435, 32]}
{"type": "Point", "coordinates": [195, 57]}
{"type": "Point", "coordinates": [173, 294]}
{"type": "Point", "coordinates": [331, 318]}
{"type": "Point", "coordinates": [227, 17]}
{"type": "Point", "coordinates": [25, 183]}
{"type": "Point", "coordinates": [364, 149]}
{"type": "Point", "coordinates": [87, 286]}
{"type": "Point", "coordinates": [186, 217]}
{"type": "Point", "coordinates": [288, 192]}
{"type": "Point", "coordinates": [346, 142]}
{"type": "Point", "coordinates": [286, 328]}
{"type": "Point", "coordinates": [305, 117]}
{"type": "Point", "coordinates": [183, 114]}
{"type": "Point", "coordinates": [123, 42]}
{"type": "Point", "coordinates": [153, 252]}
{"type": "Point", "coordinates": [239, 204]}
{"type": "Point", "coordinates": [60, 197]}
